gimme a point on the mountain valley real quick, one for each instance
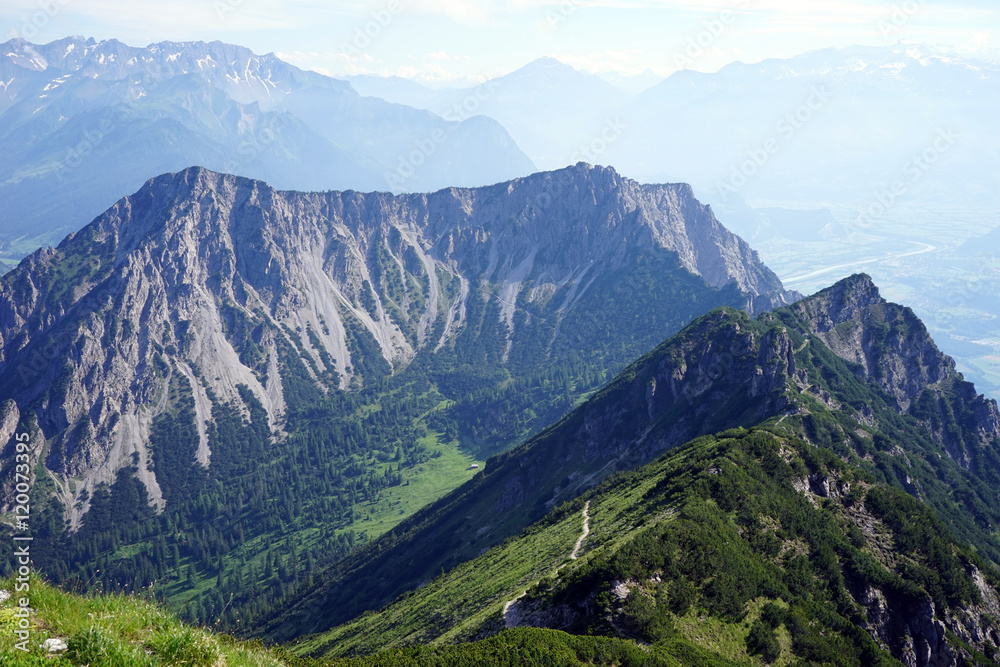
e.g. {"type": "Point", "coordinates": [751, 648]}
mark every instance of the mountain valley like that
{"type": "Point", "coordinates": [836, 376]}
{"type": "Point", "coordinates": [294, 362]}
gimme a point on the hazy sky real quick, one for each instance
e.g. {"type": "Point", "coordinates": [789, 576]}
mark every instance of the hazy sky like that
{"type": "Point", "coordinates": [442, 40]}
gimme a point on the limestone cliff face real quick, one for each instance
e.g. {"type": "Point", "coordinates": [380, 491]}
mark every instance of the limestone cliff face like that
{"type": "Point", "coordinates": [891, 346]}
{"type": "Point", "coordinates": [220, 280]}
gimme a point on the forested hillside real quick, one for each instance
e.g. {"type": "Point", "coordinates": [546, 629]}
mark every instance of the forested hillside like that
{"type": "Point", "coordinates": [228, 387]}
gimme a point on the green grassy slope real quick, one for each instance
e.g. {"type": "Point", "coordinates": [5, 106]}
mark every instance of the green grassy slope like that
{"type": "Point", "coordinates": [545, 648]}
{"type": "Point", "coordinates": [116, 631]}
{"type": "Point", "coordinates": [119, 630]}
{"type": "Point", "coordinates": [720, 544]}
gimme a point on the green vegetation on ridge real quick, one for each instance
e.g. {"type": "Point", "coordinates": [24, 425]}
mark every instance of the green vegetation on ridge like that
{"type": "Point", "coordinates": [718, 544]}
{"type": "Point", "coordinates": [115, 630]}
{"type": "Point", "coordinates": [724, 370]}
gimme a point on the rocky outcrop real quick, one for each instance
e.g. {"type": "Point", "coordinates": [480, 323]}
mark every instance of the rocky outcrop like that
{"type": "Point", "coordinates": [722, 372]}
{"type": "Point", "coordinates": [218, 280]}
{"type": "Point", "coordinates": [892, 347]}
{"type": "Point", "coordinates": [886, 340]}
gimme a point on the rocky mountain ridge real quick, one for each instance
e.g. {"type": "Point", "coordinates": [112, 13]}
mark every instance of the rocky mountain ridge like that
{"type": "Point", "coordinates": [725, 370]}
{"type": "Point", "coordinates": [243, 75]}
{"type": "Point", "coordinates": [892, 346]}
{"type": "Point", "coordinates": [219, 282]}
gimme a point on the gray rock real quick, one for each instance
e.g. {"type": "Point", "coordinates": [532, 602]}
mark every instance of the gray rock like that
{"type": "Point", "coordinates": [54, 645]}
{"type": "Point", "coordinates": [892, 346]}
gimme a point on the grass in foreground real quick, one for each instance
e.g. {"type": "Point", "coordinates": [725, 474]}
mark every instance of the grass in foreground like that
{"type": "Point", "coordinates": [128, 631]}
{"type": "Point", "coordinates": [117, 631]}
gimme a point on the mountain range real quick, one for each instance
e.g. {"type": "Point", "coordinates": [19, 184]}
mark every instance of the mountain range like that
{"type": "Point", "coordinates": [208, 328]}
{"type": "Point", "coordinates": [559, 417]}
{"type": "Point", "coordinates": [74, 107]}
{"type": "Point", "coordinates": [230, 274]}
{"type": "Point", "coordinates": [821, 532]}
{"type": "Point", "coordinates": [552, 110]}
{"type": "Point", "coordinates": [821, 161]}
{"type": "Point", "coordinates": [227, 382]}
{"type": "Point", "coordinates": [843, 370]}
{"type": "Point", "coordinates": [851, 105]}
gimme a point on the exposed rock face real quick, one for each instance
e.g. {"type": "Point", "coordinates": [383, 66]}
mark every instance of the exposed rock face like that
{"type": "Point", "coordinates": [9, 418]}
{"type": "Point", "coordinates": [887, 340]}
{"type": "Point", "coordinates": [723, 373]}
{"type": "Point", "coordinates": [891, 346]}
{"type": "Point", "coordinates": [222, 280]}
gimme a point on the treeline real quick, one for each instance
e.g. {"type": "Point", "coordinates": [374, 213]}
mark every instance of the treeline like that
{"type": "Point", "coordinates": [213, 547]}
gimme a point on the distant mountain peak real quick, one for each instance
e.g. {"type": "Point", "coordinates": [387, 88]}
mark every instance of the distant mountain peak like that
{"type": "Point", "coordinates": [858, 288]}
{"type": "Point", "coordinates": [548, 62]}
{"type": "Point", "coordinates": [172, 104]}
{"type": "Point", "coordinates": [550, 67]}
